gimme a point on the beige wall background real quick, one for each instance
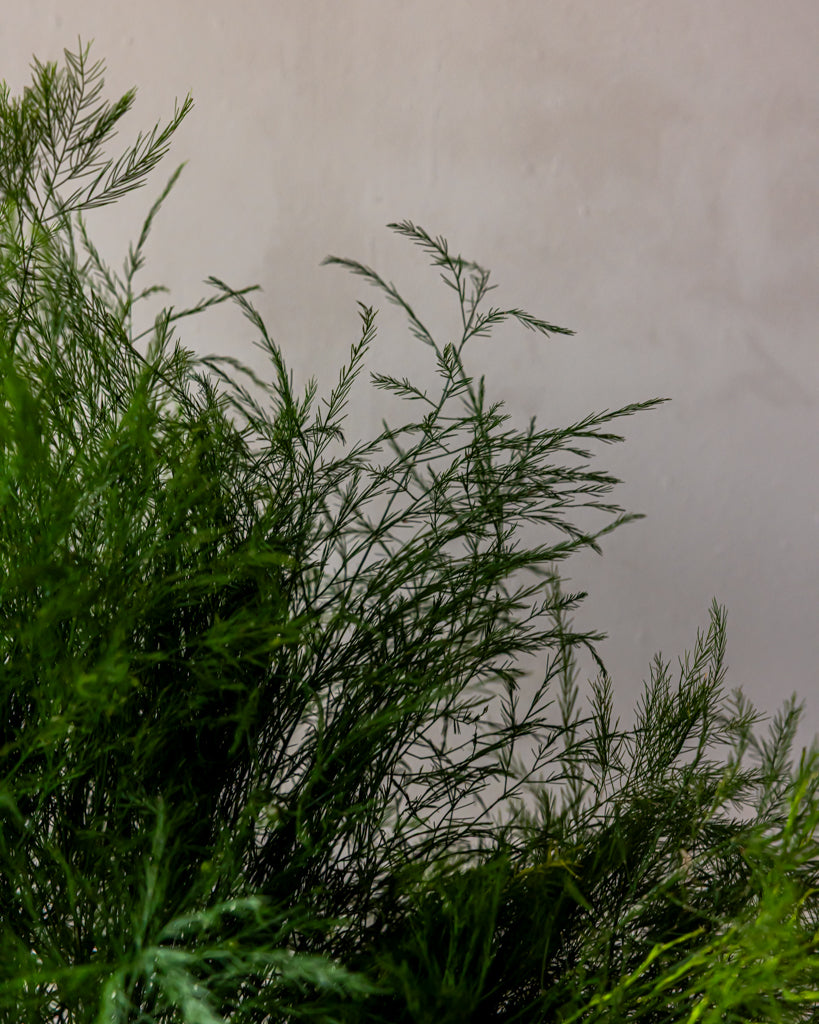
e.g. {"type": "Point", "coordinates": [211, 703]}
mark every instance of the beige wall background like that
{"type": "Point", "coordinates": [643, 171]}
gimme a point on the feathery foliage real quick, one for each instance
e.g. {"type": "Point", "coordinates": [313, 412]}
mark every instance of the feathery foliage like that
{"type": "Point", "coordinates": [269, 750]}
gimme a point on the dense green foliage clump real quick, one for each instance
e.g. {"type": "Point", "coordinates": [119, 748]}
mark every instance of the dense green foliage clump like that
{"type": "Point", "coordinates": [267, 747]}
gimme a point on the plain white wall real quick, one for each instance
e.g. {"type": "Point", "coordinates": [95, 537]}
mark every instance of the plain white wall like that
{"type": "Point", "coordinates": [643, 171]}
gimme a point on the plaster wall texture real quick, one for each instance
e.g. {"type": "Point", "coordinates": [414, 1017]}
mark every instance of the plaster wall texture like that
{"type": "Point", "coordinates": [643, 171]}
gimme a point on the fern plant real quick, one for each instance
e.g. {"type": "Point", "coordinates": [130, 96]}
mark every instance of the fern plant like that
{"type": "Point", "coordinates": [268, 748]}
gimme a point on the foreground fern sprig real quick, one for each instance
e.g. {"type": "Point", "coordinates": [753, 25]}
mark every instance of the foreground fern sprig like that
{"type": "Point", "coordinates": [270, 745]}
